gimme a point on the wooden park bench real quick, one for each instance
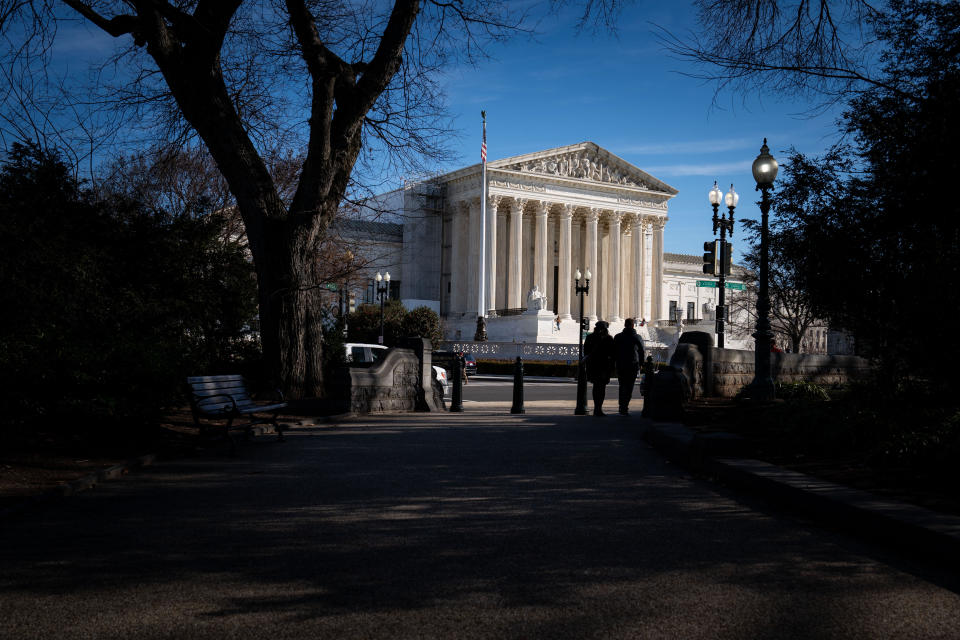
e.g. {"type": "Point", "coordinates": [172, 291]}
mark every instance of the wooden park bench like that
{"type": "Point", "coordinates": [226, 398]}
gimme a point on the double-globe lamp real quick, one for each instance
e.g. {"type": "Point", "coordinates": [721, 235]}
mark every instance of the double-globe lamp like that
{"type": "Point", "coordinates": [725, 225]}
{"type": "Point", "coordinates": [382, 291]}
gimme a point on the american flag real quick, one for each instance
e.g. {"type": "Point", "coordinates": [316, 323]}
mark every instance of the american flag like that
{"type": "Point", "coordinates": [483, 145]}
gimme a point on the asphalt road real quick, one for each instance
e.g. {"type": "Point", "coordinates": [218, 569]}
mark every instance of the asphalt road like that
{"type": "Point", "coordinates": [547, 395]}
{"type": "Point", "coordinates": [482, 525]}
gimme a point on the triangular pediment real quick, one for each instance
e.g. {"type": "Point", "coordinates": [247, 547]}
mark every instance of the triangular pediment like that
{"type": "Point", "coordinates": [586, 162]}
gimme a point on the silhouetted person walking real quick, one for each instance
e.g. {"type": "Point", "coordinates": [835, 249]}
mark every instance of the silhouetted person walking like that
{"type": "Point", "coordinates": [628, 347]}
{"type": "Point", "coordinates": [598, 353]}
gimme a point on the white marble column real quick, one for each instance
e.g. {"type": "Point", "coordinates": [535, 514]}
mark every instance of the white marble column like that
{"type": "Point", "coordinates": [603, 256]}
{"type": "Point", "coordinates": [490, 260]}
{"type": "Point", "coordinates": [553, 222]}
{"type": "Point", "coordinates": [459, 215]}
{"type": "Point", "coordinates": [656, 299]}
{"type": "Point", "coordinates": [614, 267]}
{"type": "Point", "coordinates": [474, 261]}
{"type": "Point", "coordinates": [565, 273]}
{"type": "Point", "coordinates": [591, 218]}
{"type": "Point", "coordinates": [515, 270]}
{"type": "Point", "coordinates": [526, 282]}
{"type": "Point", "coordinates": [503, 246]}
{"type": "Point", "coordinates": [540, 278]}
{"type": "Point", "coordinates": [626, 268]}
{"type": "Point", "coordinates": [639, 231]}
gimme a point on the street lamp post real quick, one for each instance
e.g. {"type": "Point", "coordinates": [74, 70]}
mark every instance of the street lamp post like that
{"type": "Point", "coordinates": [581, 409]}
{"type": "Point", "coordinates": [764, 172]}
{"type": "Point", "coordinates": [382, 291]}
{"type": "Point", "coordinates": [725, 225]}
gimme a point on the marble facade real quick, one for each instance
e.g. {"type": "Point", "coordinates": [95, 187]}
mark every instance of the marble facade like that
{"type": "Point", "coordinates": [550, 214]}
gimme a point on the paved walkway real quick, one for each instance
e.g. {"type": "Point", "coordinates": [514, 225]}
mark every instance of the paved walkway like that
{"type": "Point", "coordinates": [483, 525]}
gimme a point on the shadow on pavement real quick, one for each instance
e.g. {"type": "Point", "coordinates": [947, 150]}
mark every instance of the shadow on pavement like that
{"type": "Point", "coordinates": [517, 526]}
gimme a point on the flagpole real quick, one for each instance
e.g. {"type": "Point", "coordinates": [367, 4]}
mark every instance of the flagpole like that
{"type": "Point", "coordinates": [481, 302]}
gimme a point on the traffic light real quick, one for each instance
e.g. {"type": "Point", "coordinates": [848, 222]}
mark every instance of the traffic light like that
{"type": "Point", "coordinates": [353, 303]}
{"type": "Point", "coordinates": [727, 258]}
{"type": "Point", "coordinates": [711, 255]}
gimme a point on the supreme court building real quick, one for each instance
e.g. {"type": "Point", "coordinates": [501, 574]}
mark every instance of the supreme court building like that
{"type": "Point", "coordinates": [548, 215]}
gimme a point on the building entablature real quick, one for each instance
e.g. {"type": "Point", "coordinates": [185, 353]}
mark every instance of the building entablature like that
{"type": "Point", "coordinates": [504, 188]}
{"type": "Point", "coordinates": [583, 175]}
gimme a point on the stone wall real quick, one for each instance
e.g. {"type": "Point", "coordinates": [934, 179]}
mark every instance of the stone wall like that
{"type": "Point", "coordinates": [731, 370]}
{"type": "Point", "coordinates": [689, 360]}
{"type": "Point", "coordinates": [395, 384]}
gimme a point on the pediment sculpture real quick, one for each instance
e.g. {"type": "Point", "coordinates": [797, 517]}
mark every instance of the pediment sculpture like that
{"type": "Point", "coordinates": [580, 165]}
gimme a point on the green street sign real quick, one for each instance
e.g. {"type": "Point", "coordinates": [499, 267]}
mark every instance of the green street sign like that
{"type": "Point", "coordinates": [711, 284]}
{"type": "Point", "coordinates": [330, 286]}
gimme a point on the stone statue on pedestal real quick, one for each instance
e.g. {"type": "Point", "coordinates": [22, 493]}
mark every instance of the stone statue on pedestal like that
{"type": "Point", "coordinates": [536, 300]}
{"type": "Point", "coordinates": [481, 333]}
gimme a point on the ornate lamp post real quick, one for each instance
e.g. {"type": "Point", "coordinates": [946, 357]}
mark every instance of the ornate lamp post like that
{"type": "Point", "coordinates": [581, 409]}
{"type": "Point", "coordinates": [764, 172]}
{"type": "Point", "coordinates": [725, 224]}
{"type": "Point", "coordinates": [382, 291]}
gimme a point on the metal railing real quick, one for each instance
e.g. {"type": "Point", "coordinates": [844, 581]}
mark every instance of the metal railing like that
{"type": "Point", "coordinates": [510, 350]}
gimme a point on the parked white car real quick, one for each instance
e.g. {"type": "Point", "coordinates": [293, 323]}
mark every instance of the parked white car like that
{"type": "Point", "coordinates": [360, 352]}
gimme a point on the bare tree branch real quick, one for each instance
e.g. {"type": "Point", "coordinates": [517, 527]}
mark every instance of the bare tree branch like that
{"type": "Point", "coordinates": [827, 49]}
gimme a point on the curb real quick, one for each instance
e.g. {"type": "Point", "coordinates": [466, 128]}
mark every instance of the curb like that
{"type": "Point", "coordinates": [91, 480]}
{"type": "Point", "coordinates": [717, 455]}
{"type": "Point", "coordinates": [79, 485]}
{"type": "Point", "coordinates": [316, 421]}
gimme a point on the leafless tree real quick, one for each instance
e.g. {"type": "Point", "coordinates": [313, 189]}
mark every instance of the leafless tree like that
{"type": "Point", "coordinates": [822, 49]}
{"type": "Point", "coordinates": [791, 313]}
{"type": "Point", "coordinates": [170, 181]}
{"type": "Point", "coordinates": [338, 82]}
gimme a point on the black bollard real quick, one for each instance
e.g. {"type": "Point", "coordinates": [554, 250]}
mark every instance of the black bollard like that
{"type": "Point", "coordinates": [456, 397]}
{"type": "Point", "coordinates": [581, 408]}
{"type": "Point", "coordinates": [517, 387]}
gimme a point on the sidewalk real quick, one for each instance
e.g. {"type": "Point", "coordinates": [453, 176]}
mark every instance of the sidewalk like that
{"type": "Point", "coordinates": [715, 455]}
{"type": "Point", "coordinates": [482, 525]}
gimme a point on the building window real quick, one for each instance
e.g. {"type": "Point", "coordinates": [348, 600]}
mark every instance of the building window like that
{"type": "Point", "coordinates": [673, 311]}
{"type": "Point", "coordinates": [691, 310]}
{"type": "Point", "coordinates": [370, 295]}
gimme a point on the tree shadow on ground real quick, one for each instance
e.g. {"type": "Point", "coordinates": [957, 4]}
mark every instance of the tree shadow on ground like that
{"type": "Point", "coordinates": [534, 527]}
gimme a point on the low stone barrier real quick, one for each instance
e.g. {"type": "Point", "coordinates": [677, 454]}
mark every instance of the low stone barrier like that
{"type": "Point", "coordinates": [402, 382]}
{"type": "Point", "coordinates": [697, 369]}
{"type": "Point", "coordinates": [732, 370]}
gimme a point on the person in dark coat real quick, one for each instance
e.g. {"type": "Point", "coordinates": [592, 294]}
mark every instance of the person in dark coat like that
{"type": "Point", "coordinates": [628, 347]}
{"type": "Point", "coordinates": [598, 356]}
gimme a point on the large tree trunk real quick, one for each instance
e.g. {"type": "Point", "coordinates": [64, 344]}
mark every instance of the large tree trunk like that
{"type": "Point", "coordinates": [291, 309]}
{"type": "Point", "coordinates": [795, 341]}
{"type": "Point", "coordinates": [283, 242]}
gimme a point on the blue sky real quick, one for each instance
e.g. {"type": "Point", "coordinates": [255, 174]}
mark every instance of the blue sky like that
{"type": "Point", "coordinates": [623, 92]}
{"type": "Point", "coordinates": [626, 94]}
